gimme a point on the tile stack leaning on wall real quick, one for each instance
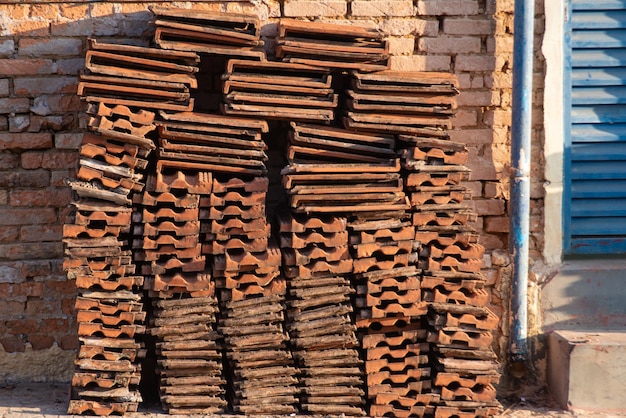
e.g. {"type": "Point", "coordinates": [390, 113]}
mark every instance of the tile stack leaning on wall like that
{"type": "Point", "coordinates": [373, 219]}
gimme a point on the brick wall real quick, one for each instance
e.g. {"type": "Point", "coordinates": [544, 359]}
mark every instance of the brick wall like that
{"type": "Point", "coordinates": [41, 50]}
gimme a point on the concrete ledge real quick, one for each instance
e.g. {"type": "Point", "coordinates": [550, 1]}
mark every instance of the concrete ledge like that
{"type": "Point", "coordinates": [587, 370]}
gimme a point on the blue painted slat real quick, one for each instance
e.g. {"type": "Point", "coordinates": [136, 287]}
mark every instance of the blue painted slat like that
{"type": "Point", "coordinates": [599, 76]}
{"type": "Point", "coordinates": [598, 132]}
{"type": "Point", "coordinates": [598, 5]}
{"type": "Point", "coordinates": [599, 19]}
{"type": "Point", "coordinates": [598, 170]}
{"type": "Point", "coordinates": [599, 39]}
{"type": "Point", "coordinates": [599, 151]}
{"type": "Point", "coordinates": [599, 114]}
{"type": "Point", "coordinates": [598, 207]}
{"type": "Point", "coordinates": [597, 246]}
{"type": "Point", "coordinates": [586, 189]}
{"type": "Point", "coordinates": [599, 95]}
{"type": "Point", "coordinates": [614, 225]}
{"type": "Point", "coordinates": [595, 154]}
{"type": "Point", "coordinates": [593, 58]}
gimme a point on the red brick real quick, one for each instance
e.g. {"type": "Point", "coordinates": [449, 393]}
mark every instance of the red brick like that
{"type": "Point", "coordinates": [21, 216]}
{"type": "Point", "coordinates": [468, 27]}
{"type": "Point", "coordinates": [6, 291]}
{"type": "Point", "coordinates": [35, 268]}
{"type": "Point", "coordinates": [488, 207]}
{"type": "Point", "coordinates": [20, 67]}
{"type": "Point", "coordinates": [40, 342]}
{"type": "Point", "coordinates": [31, 250]}
{"type": "Point", "coordinates": [60, 103]}
{"type": "Point", "coordinates": [68, 140]}
{"type": "Point", "coordinates": [25, 141]}
{"type": "Point", "coordinates": [12, 344]}
{"type": "Point", "coordinates": [69, 342]}
{"type": "Point", "coordinates": [449, 45]}
{"type": "Point", "coordinates": [496, 224]}
{"type": "Point", "coordinates": [60, 160]}
{"type": "Point", "coordinates": [32, 160]}
{"type": "Point", "coordinates": [63, 287]}
{"type": "Point", "coordinates": [57, 177]}
{"type": "Point", "coordinates": [41, 307]}
{"type": "Point", "coordinates": [447, 7]}
{"type": "Point", "coordinates": [475, 63]}
{"type": "Point", "coordinates": [40, 197]}
{"type": "Point", "coordinates": [24, 178]}
{"type": "Point", "coordinates": [39, 233]}
{"type": "Point", "coordinates": [37, 47]}
{"type": "Point", "coordinates": [54, 325]}
{"type": "Point", "coordinates": [35, 86]}
{"type": "Point", "coordinates": [33, 289]}
{"type": "Point", "coordinates": [68, 306]}
{"type": "Point", "coordinates": [9, 233]}
{"type": "Point", "coordinates": [8, 160]}
{"type": "Point", "coordinates": [22, 326]}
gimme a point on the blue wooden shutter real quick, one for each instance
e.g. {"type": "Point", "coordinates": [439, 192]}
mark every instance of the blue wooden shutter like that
{"type": "Point", "coordinates": [595, 155]}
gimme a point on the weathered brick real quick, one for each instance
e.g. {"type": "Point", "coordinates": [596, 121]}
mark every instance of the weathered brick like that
{"type": "Point", "coordinates": [468, 27]}
{"type": "Point", "coordinates": [9, 274]}
{"type": "Point", "coordinates": [9, 233]}
{"type": "Point", "coordinates": [49, 12]}
{"type": "Point", "coordinates": [31, 250]}
{"type": "Point", "coordinates": [449, 45]}
{"type": "Point", "coordinates": [31, 289]}
{"type": "Point", "coordinates": [22, 326]}
{"type": "Point", "coordinates": [25, 141]}
{"type": "Point", "coordinates": [59, 160]}
{"type": "Point", "coordinates": [12, 344]}
{"type": "Point", "coordinates": [304, 8]}
{"type": "Point", "coordinates": [8, 160]}
{"type": "Point", "coordinates": [448, 7]}
{"type": "Point", "coordinates": [57, 196]}
{"type": "Point", "coordinates": [57, 177]}
{"type": "Point", "coordinates": [35, 268]}
{"type": "Point", "coordinates": [4, 87]}
{"type": "Point", "coordinates": [40, 342]}
{"type": "Point", "coordinates": [18, 67]}
{"type": "Point", "coordinates": [7, 47]}
{"type": "Point", "coordinates": [401, 46]}
{"type": "Point", "coordinates": [21, 216]}
{"type": "Point", "coordinates": [377, 8]}
{"type": "Point", "coordinates": [70, 66]}
{"type": "Point", "coordinates": [11, 309]}
{"type": "Point", "coordinates": [475, 63]}
{"type": "Point", "coordinates": [102, 26]}
{"type": "Point", "coordinates": [41, 307]}
{"type": "Point", "coordinates": [19, 123]}
{"type": "Point", "coordinates": [69, 342]}
{"type": "Point", "coordinates": [488, 207]}
{"type": "Point", "coordinates": [37, 233]}
{"type": "Point", "coordinates": [73, 11]}
{"type": "Point", "coordinates": [405, 27]}
{"type": "Point", "coordinates": [465, 117]}
{"type": "Point", "coordinates": [496, 224]}
{"type": "Point", "coordinates": [478, 98]}
{"type": "Point", "coordinates": [57, 47]}
{"type": "Point", "coordinates": [32, 160]}
{"type": "Point", "coordinates": [30, 27]}
{"type": "Point", "coordinates": [420, 63]}
{"type": "Point", "coordinates": [68, 140]}
{"type": "Point", "coordinates": [35, 86]}
{"type": "Point", "coordinates": [24, 178]}
{"type": "Point", "coordinates": [11, 105]}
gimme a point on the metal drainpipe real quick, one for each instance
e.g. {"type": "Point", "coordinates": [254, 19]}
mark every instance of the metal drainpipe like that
{"type": "Point", "coordinates": [523, 49]}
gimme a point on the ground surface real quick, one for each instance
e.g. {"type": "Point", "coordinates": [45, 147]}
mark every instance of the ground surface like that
{"type": "Point", "coordinates": [44, 400]}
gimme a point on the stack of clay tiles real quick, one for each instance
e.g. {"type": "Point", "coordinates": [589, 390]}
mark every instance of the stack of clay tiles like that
{"type": "Point", "coordinates": [329, 45]}
{"type": "Point", "coordinates": [113, 158]}
{"type": "Point", "coordinates": [459, 323]}
{"type": "Point", "coordinates": [205, 32]}
{"type": "Point", "coordinates": [247, 270]}
{"type": "Point", "coordinates": [278, 90]}
{"type": "Point", "coordinates": [317, 262]}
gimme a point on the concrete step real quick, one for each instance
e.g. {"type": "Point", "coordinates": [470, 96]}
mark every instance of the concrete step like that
{"type": "Point", "coordinates": [587, 370]}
